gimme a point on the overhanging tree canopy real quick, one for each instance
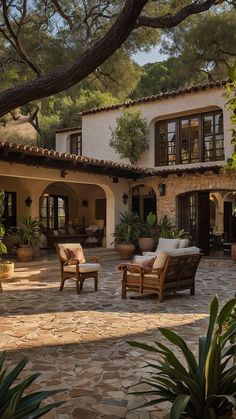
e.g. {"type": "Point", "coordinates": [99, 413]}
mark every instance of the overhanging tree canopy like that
{"type": "Point", "coordinates": [93, 29]}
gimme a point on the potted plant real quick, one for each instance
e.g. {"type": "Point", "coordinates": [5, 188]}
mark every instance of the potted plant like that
{"type": "Point", "coordinates": [28, 237]}
{"type": "Point", "coordinates": [203, 386]}
{"type": "Point", "coordinates": [146, 239]}
{"type": "Point", "coordinates": [6, 266]}
{"type": "Point", "coordinates": [126, 234]}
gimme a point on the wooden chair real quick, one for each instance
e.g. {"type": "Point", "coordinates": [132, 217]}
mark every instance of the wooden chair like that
{"type": "Point", "coordinates": [79, 270]}
{"type": "Point", "coordinates": [177, 274]}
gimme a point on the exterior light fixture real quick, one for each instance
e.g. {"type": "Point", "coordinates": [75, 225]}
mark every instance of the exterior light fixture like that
{"type": "Point", "coordinates": [162, 189]}
{"type": "Point", "coordinates": [85, 203]}
{"type": "Point", "coordinates": [125, 198]}
{"type": "Point", "coordinates": [28, 201]}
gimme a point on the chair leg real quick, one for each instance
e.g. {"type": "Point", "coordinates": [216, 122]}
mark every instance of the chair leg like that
{"type": "Point", "coordinates": [96, 282]}
{"type": "Point", "coordinates": [1, 290]}
{"type": "Point", "coordinates": [160, 298]}
{"type": "Point", "coordinates": [192, 290]}
{"type": "Point", "coordinates": [78, 286]}
{"type": "Point", "coordinates": [62, 283]}
{"type": "Point", "coordinates": [123, 291]}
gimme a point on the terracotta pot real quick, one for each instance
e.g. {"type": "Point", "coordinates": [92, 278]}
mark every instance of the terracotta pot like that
{"type": "Point", "coordinates": [146, 244]}
{"type": "Point", "coordinates": [233, 251]}
{"type": "Point", "coordinates": [126, 250]}
{"type": "Point", "coordinates": [6, 270]}
{"type": "Point", "coordinates": [25, 253]}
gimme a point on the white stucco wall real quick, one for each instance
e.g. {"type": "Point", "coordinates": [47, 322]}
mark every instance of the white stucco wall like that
{"type": "Point", "coordinates": [63, 140]}
{"type": "Point", "coordinates": [96, 132]}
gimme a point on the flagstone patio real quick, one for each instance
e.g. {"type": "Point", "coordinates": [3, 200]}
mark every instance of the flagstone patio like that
{"type": "Point", "coordinates": [79, 342]}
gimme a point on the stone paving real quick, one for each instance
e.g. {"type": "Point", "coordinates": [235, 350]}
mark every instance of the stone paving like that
{"type": "Point", "coordinates": [79, 342]}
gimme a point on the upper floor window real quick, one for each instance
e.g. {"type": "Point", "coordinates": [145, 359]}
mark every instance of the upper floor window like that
{"type": "Point", "coordinates": [190, 139]}
{"type": "Point", "coordinates": [76, 143]}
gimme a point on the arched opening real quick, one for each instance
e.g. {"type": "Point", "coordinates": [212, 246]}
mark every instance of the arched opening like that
{"type": "Point", "coordinates": [209, 218]}
{"type": "Point", "coordinates": [143, 200]}
{"type": "Point", "coordinates": [73, 212]}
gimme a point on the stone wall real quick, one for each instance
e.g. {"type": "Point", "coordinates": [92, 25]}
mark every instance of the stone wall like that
{"type": "Point", "coordinates": [175, 186]}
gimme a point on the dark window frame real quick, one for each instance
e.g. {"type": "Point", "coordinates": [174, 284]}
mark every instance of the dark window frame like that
{"type": "Point", "coordinates": [55, 210]}
{"type": "Point", "coordinates": [76, 143]}
{"type": "Point", "coordinates": [201, 140]}
{"type": "Point", "coordinates": [10, 220]}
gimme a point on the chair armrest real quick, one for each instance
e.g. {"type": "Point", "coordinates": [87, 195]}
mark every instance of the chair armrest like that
{"type": "Point", "coordinates": [94, 259]}
{"type": "Point", "coordinates": [71, 262]}
{"type": "Point", "coordinates": [131, 267]}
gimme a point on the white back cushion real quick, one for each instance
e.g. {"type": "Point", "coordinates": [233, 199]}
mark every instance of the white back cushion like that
{"type": "Point", "coordinates": [160, 260]}
{"type": "Point", "coordinates": [183, 243]}
{"type": "Point", "coordinates": [167, 244]}
{"type": "Point", "coordinates": [184, 251]}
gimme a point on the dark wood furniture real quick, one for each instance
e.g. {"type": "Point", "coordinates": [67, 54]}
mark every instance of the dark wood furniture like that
{"type": "Point", "coordinates": [177, 274]}
{"type": "Point", "coordinates": [66, 238]}
{"type": "Point", "coordinates": [73, 269]}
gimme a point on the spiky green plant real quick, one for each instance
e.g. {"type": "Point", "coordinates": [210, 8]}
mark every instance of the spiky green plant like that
{"type": "Point", "coordinates": [27, 234]}
{"type": "Point", "coordinates": [14, 403]}
{"type": "Point", "coordinates": [203, 388]}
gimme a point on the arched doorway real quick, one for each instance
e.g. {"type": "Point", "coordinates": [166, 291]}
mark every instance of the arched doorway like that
{"type": "Point", "coordinates": [209, 218]}
{"type": "Point", "coordinates": [68, 210]}
{"type": "Point", "coordinates": [143, 200]}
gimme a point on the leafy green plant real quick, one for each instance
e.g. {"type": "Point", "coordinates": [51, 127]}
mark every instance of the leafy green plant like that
{"type": "Point", "coordinates": [129, 138]}
{"type": "Point", "coordinates": [151, 219]}
{"type": "Point", "coordinates": [127, 231]}
{"type": "Point", "coordinates": [3, 249]}
{"type": "Point", "coordinates": [166, 230]}
{"type": "Point", "coordinates": [203, 388]}
{"type": "Point", "coordinates": [14, 403]}
{"type": "Point", "coordinates": [27, 234]}
{"type": "Point", "coordinates": [147, 228]}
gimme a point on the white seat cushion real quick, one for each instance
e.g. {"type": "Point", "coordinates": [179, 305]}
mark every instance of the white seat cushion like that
{"type": "Point", "coordinates": [184, 251]}
{"type": "Point", "coordinates": [167, 244]}
{"type": "Point", "coordinates": [83, 267]}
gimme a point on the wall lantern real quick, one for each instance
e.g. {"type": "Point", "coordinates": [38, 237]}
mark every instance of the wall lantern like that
{"type": "Point", "coordinates": [85, 203]}
{"type": "Point", "coordinates": [125, 198]}
{"type": "Point", "coordinates": [162, 189]}
{"type": "Point", "coordinates": [28, 201]}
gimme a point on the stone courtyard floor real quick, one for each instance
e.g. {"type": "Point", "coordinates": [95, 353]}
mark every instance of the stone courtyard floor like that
{"type": "Point", "coordinates": [79, 342]}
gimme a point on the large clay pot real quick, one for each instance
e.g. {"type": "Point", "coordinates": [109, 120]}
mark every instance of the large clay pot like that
{"type": "Point", "coordinates": [25, 253]}
{"type": "Point", "coordinates": [126, 250]}
{"type": "Point", "coordinates": [233, 251]}
{"type": "Point", "coordinates": [146, 244]}
{"type": "Point", "coordinates": [6, 269]}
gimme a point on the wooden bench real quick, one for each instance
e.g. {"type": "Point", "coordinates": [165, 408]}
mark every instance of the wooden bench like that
{"type": "Point", "coordinates": [177, 274]}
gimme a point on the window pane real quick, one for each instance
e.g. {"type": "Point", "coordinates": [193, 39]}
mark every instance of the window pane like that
{"type": "Point", "coordinates": [213, 137]}
{"type": "Point", "coordinates": [166, 143]}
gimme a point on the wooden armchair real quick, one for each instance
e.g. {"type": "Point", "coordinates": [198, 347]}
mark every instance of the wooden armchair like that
{"type": "Point", "coordinates": [76, 268]}
{"type": "Point", "coordinates": [178, 273]}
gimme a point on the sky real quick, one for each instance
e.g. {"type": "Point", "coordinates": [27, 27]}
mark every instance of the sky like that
{"type": "Point", "coordinates": [149, 57]}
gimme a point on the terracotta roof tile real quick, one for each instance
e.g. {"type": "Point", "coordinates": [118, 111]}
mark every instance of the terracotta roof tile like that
{"type": "Point", "coordinates": [35, 156]}
{"type": "Point", "coordinates": [159, 96]}
{"type": "Point", "coordinates": [68, 129]}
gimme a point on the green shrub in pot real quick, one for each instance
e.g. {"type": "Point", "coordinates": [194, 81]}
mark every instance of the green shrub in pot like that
{"type": "Point", "coordinates": [27, 237]}
{"type": "Point", "coordinates": [199, 388]}
{"type": "Point", "coordinates": [126, 234]}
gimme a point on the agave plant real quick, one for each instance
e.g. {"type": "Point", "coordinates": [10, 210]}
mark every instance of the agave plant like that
{"type": "Point", "coordinates": [14, 404]}
{"type": "Point", "coordinates": [203, 388]}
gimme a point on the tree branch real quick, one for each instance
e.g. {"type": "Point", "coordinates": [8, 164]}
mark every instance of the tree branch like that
{"type": "Point", "coordinates": [16, 36]}
{"type": "Point", "coordinates": [127, 20]}
{"type": "Point", "coordinates": [169, 21]}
